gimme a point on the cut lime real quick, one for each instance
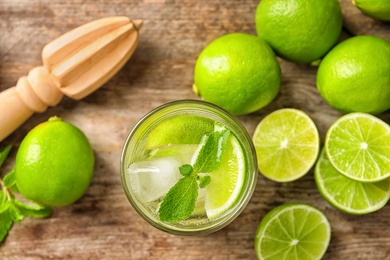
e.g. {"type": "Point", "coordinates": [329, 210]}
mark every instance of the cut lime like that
{"type": "Point", "coordinates": [287, 144]}
{"type": "Point", "coordinates": [358, 146]}
{"type": "Point", "coordinates": [179, 130]}
{"type": "Point", "coordinates": [184, 152]}
{"type": "Point", "coordinates": [227, 181]}
{"type": "Point", "coordinates": [349, 195]}
{"type": "Point", "coordinates": [292, 231]}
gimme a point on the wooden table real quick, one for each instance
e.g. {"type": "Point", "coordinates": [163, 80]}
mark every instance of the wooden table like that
{"type": "Point", "coordinates": [103, 225]}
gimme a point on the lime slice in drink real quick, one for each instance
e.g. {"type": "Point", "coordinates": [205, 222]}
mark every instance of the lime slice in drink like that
{"type": "Point", "coordinates": [179, 130]}
{"type": "Point", "coordinates": [287, 144]}
{"type": "Point", "coordinates": [348, 195]}
{"type": "Point", "coordinates": [227, 181]}
{"type": "Point", "coordinates": [184, 152]}
{"type": "Point", "coordinates": [292, 231]}
{"type": "Point", "coordinates": [358, 146]}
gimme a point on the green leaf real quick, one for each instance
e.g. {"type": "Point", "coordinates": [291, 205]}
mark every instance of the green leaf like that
{"type": "Point", "coordinates": [4, 151]}
{"type": "Point", "coordinates": [179, 203]}
{"type": "Point", "coordinates": [204, 181]}
{"type": "Point", "coordinates": [4, 206]}
{"type": "Point", "coordinates": [5, 225]}
{"type": "Point", "coordinates": [15, 213]}
{"type": "Point", "coordinates": [2, 197]}
{"type": "Point", "coordinates": [186, 169]}
{"type": "Point", "coordinates": [209, 157]}
{"type": "Point", "coordinates": [34, 211]}
{"type": "Point", "coordinates": [9, 179]}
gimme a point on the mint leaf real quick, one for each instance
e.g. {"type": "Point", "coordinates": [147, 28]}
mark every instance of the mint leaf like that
{"type": "Point", "coordinates": [204, 181]}
{"type": "Point", "coordinates": [4, 151]}
{"type": "Point", "coordinates": [209, 157]}
{"type": "Point", "coordinates": [9, 179]}
{"type": "Point", "coordinates": [4, 206]}
{"type": "Point", "coordinates": [179, 203]}
{"type": "Point", "coordinates": [34, 211]}
{"type": "Point", "coordinates": [5, 224]}
{"type": "Point", "coordinates": [186, 169]}
{"type": "Point", "coordinates": [15, 213]}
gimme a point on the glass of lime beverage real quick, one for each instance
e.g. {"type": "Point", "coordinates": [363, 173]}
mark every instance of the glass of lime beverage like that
{"type": "Point", "coordinates": [189, 167]}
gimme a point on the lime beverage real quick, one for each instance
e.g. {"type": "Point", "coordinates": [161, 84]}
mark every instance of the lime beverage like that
{"type": "Point", "coordinates": [188, 168]}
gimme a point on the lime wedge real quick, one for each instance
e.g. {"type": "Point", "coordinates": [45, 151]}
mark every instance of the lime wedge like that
{"type": "Point", "coordinates": [287, 144]}
{"type": "Point", "coordinates": [184, 152]}
{"type": "Point", "coordinates": [292, 231]}
{"type": "Point", "coordinates": [348, 195]}
{"type": "Point", "coordinates": [358, 146]}
{"type": "Point", "coordinates": [227, 181]}
{"type": "Point", "coordinates": [179, 130]}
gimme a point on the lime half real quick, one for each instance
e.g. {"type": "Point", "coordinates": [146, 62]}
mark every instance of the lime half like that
{"type": "Point", "coordinates": [348, 195]}
{"type": "Point", "coordinates": [358, 146]}
{"type": "Point", "coordinates": [227, 181]}
{"type": "Point", "coordinates": [179, 130]}
{"type": "Point", "coordinates": [292, 231]}
{"type": "Point", "coordinates": [287, 144]}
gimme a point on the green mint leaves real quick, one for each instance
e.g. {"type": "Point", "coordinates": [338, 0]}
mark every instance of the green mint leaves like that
{"type": "Point", "coordinates": [179, 203]}
{"type": "Point", "coordinates": [209, 156]}
{"type": "Point", "coordinates": [11, 209]}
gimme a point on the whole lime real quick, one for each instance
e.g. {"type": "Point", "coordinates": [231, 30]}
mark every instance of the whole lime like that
{"type": "Point", "coordinates": [378, 9]}
{"type": "Point", "coordinates": [355, 75]}
{"type": "Point", "coordinates": [54, 164]}
{"type": "Point", "coordinates": [239, 72]}
{"type": "Point", "coordinates": [299, 30]}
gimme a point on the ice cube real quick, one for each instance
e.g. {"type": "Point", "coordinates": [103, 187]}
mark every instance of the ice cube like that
{"type": "Point", "coordinates": [152, 179]}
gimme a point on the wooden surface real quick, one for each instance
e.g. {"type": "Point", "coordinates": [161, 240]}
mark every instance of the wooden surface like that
{"type": "Point", "coordinates": [103, 225]}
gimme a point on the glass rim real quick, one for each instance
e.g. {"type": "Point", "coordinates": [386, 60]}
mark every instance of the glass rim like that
{"type": "Point", "coordinates": [242, 200]}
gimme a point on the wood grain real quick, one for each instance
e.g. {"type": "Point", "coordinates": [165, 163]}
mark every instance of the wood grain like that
{"type": "Point", "coordinates": [103, 225]}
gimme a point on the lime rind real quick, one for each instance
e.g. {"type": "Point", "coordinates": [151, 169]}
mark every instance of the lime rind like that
{"type": "Point", "coordinates": [358, 146]}
{"type": "Point", "coordinates": [287, 145]}
{"type": "Point", "coordinates": [349, 195]}
{"type": "Point", "coordinates": [227, 181]}
{"type": "Point", "coordinates": [184, 129]}
{"type": "Point", "coordinates": [293, 231]}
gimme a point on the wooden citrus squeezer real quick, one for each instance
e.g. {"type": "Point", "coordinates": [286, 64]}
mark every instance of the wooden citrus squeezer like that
{"type": "Point", "coordinates": [74, 64]}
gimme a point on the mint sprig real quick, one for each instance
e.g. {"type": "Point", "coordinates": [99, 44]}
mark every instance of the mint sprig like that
{"type": "Point", "coordinates": [179, 203]}
{"type": "Point", "coordinates": [11, 209]}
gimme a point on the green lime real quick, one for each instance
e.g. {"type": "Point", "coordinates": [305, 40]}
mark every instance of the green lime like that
{"type": "Point", "coordinates": [54, 164]}
{"type": "Point", "coordinates": [293, 231]}
{"type": "Point", "coordinates": [287, 144]}
{"type": "Point", "coordinates": [179, 130]}
{"type": "Point", "coordinates": [358, 146]}
{"type": "Point", "coordinates": [354, 76]}
{"type": "Point", "coordinates": [379, 9]}
{"type": "Point", "coordinates": [238, 72]}
{"type": "Point", "coordinates": [348, 195]}
{"type": "Point", "coordinates": [299, 30]}
{"type": "Point", "coordinates": [227, 181]}
{"type": "Point", "coordinates": [184, 152]}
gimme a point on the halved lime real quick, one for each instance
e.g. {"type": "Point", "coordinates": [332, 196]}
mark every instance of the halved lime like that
{"type": "Point", "coordinates": [293, 231]}
{"type": "Point", "coordinates": [287, 144]}
{"type": "Point", "coordinates": [346, 194]}
{"type": "Point", "coordinates": [179, 130]}
{"type": "Point", "coordinates": [358, 146]}
{"type": "Point", "coordinates": [227, 181]}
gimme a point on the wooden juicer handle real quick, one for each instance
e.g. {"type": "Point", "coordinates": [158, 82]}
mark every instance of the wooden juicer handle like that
{"type": "Point", "coordinates": [75, 64]}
